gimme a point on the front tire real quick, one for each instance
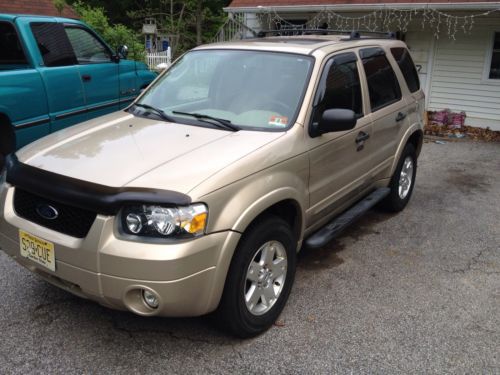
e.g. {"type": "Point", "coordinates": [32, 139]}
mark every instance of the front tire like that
{"type": "Point", "coordinates": [259, 279]}
{"type": "Point", "coordinates": [403, 181]}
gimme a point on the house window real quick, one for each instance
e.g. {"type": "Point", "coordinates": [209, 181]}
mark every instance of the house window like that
{"type": "Point", "coordinates": [495, 58]}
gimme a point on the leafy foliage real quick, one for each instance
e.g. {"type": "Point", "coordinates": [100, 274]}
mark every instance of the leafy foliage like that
{"type": "Point", "coordinates": [59, 5]}
{"type": "Point", "coordinates": [188, 23]}
{"type": "Point", "coordinates": [115, 35]}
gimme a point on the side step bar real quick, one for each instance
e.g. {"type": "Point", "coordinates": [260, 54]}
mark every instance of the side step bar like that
{"type": "Point", "coordinates": [335, 227]}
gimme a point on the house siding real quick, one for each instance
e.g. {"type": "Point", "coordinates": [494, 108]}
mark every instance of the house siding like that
{"type": "Point", "coordinates": [458, 72]}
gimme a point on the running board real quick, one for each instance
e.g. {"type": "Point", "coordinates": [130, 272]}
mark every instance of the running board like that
{"type": "Point", "coordinates": [335, 227]}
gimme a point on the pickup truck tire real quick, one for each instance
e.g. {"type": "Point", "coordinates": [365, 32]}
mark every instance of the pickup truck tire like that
{"type": "Point", "coordinates": [7, 139]}
{"type": "Point", "coordinates": [402, 181]}
{"type": "Point", "coordinates": [259, 279]}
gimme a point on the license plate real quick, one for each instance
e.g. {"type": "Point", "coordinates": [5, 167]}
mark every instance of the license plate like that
{"type": "Point", "coordinates": [37, 250]}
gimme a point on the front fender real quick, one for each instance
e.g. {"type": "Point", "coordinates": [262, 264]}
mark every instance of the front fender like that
{"type": "Point", "coordinates": [235, 207]}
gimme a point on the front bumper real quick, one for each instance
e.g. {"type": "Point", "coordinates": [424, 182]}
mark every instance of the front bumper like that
{"type": "Point", "coordinates": [187, 276]}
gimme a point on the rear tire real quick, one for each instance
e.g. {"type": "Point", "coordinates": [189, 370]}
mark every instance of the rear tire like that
{"type": "Point", "coordinates": [402, 181]}
{"type": "Point", "coordinates": [259, 279]}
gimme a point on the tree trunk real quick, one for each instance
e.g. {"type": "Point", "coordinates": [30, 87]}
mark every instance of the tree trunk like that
{"type": "Point", "coordinates": [199, 22]}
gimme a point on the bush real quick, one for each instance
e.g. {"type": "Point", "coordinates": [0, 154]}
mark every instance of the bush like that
{"type": "Point", "coordinates": [113, 35]}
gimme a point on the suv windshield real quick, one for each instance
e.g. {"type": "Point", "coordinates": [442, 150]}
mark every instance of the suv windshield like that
{"type": "Point", "coordinates": [251, 89]}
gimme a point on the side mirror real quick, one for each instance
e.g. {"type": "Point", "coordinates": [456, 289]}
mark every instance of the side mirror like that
{"type": "Point", "coordinates": [335, 120]}
{"type": "Point", "coordinates": [122, 51]}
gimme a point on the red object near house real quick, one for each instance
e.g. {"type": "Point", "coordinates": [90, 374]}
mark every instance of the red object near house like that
{"type": "Point", "coordinates": [38, 7]}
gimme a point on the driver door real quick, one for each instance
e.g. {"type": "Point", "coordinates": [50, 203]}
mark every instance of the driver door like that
{"type": "Point", "coordinates": [98, 71]}
{"type": "Point", "coordinates": [340, 162]}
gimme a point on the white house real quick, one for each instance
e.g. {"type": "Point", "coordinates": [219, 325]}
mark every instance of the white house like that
{"type": "Point", "coordinates": [456, 44]}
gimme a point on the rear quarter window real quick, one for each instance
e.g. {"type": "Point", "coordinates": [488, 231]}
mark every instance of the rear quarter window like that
{"type": "Point", "coordinates": [11, 50]}
{"type": "Point", "coordinates": [405, 63]}
{"type": "Point", "coordinates": [53, 43]}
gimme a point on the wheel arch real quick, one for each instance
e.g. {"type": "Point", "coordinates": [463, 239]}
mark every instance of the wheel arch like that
{"type": "Point", "coordinates": [282, 203]}
{"type": "Point", "coordinates": [413, 135]}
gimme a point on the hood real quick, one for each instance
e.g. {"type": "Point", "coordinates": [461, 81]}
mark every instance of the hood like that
{"type": "Point", "coordinates": [124, 150]}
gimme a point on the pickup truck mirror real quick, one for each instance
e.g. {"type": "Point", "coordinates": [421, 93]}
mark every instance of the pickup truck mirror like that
{"type": "Point", "coordinates": [335, 120]}
{"type": "Point", "coordinates": [122, 51]}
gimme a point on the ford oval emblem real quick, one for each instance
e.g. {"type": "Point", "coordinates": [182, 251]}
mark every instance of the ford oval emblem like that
{"type": "Point", "coordinates": [47, 211]}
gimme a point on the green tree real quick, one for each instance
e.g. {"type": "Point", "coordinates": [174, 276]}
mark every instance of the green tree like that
{"type": "Point", "coordinates": [188, 23]}
{"type": "Point", "coordinates": [59, 5]}
{"type": "Point", "coordinates": [115, 35]}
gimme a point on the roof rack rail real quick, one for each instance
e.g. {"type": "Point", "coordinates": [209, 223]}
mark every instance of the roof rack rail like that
{"type": "Point", "coordinates": [352, 34]}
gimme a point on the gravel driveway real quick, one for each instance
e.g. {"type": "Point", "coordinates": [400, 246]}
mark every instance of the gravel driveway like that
{"type": "Point", "coordinates": [417, 292]}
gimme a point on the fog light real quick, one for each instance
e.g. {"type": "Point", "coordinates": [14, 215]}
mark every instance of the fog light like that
{"type": "Point", "coordinates": [150, 299]}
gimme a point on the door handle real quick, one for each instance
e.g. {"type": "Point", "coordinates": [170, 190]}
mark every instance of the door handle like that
{"type": "Point", "coordinates": [362, 136]}
{"type": "Point", "coordinates": [86, 77]}
{"type": "Point", "coordinates": [401, 116]}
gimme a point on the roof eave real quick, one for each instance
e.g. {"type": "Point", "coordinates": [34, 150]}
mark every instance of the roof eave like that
{"type": "Point", "coordinates": [365, 7]}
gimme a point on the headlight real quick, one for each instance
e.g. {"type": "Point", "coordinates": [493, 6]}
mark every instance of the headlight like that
{"type": "Point", "coordinates": [160, 221]}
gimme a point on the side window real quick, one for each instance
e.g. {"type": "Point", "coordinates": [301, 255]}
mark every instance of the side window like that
{"type": "Point", "coordinates": [11, 51]}
{"type": "Point", "coordinates": [383, 86]}
{"type": "Point", "coordinates": [494, 71]}
{"type": "Point", "coordinates": [405, 62]}
{"type": "Point", "coordinates": [53, 44]}
{"type": "Point", "coordinates": [340, 88]}
{"type": "Point", "coordinates": [88, 49]}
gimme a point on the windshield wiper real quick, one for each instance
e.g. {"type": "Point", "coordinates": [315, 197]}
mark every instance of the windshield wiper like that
{"type": "Point", "coordinates": [158, 111]}
{"type": "Point", "coordinates": [224, 124]}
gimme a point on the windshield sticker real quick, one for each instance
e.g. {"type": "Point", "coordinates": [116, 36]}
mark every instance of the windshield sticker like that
{"type": "Point", "coordinates": [280, 121]}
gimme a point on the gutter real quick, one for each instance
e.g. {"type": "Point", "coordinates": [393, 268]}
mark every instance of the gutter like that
{"type": "Point", "coordinates": [456, 6]}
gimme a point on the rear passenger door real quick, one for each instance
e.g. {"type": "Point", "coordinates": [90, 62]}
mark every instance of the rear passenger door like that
{"type": "Point", "coordinates": [98, 71]}
{"type": "Point", "coordinates": [416, 98]}
{"type": "Point", "coordinates": [388, 109]}
{"type": "Point", "coordinates": [339, 161]}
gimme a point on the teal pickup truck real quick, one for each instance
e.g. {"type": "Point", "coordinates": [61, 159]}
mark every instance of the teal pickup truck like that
{"type": "Point", "coordinates": [56, 72]}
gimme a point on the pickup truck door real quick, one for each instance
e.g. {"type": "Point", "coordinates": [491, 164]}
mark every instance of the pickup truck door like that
{"type": "Point", "coordinates": [98, 70]}
{"type": "Point", "coordinates": [20, 83]}
{"type": "Point", "coordinates": [57, 67]}
{"type": "Point", "coordinates": [340, 162]}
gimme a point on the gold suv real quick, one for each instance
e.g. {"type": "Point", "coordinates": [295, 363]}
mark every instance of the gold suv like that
{"type": "Point", "coordinates": [198, 196]}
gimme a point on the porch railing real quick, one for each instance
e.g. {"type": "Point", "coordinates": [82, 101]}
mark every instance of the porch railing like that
{"type": "Point", "coordinates": [234, 28]}
{"type": "Point", "coordinates": [154, 59]}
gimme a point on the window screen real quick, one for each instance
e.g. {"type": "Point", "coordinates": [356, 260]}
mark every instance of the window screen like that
{"type": "Point", "coordinates": [495, 58]}
{"type": "Point", "coordinates": [383, 86]}
{"type": "Point", "coordinates": [341, 88]}
{"type": "Point", "coordinates": [11, 51]}
{"type": "Point", "coordinates": [88, 49]}
{"type": "Point", "coordinates": [53, 44]}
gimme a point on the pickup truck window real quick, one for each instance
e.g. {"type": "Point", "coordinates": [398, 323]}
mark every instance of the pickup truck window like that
{"type": "Point", "coordinates": [88, 49]}
{"type": "Point", "coordinates": [11, 51]}
{"type": "Point", "coordinates": [53, 44]}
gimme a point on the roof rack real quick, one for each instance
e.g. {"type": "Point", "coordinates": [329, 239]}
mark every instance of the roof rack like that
{"type": "Point", "coordinates": [351, 34]}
